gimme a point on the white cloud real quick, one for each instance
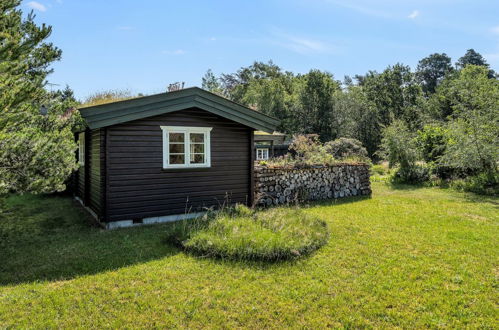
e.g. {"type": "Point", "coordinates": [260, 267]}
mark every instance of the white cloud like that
{"type": "Point", "coordinates": [36, 5]}
{"type": "Point", "coordinates": [213, 39]}
{"type": "Point", "coordinates": [174, 52]}
{"type": "Point", "coordinates": [495, 30]}
{"type": "Point", "coordinates": [414, 14]}
{"type": "Point", "coordinates": [302, 45]}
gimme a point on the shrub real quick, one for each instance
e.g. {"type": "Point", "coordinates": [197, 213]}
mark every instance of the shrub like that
{"type": "Point", "coordinates": [432, 140]}
{"type": "Point", "coordinates": [346, 148]}
{"type": "Point", "coordinates": [379, 170]}
{"type": "Point", "coordinates": [243, 234]}
{"type": "Point", "coordinates": [309, 150]}
{"type": "Point", "coordinates": [414, 175]}
{"type": "Point", "coordinates": [484, 184]}
{"type": "Point", "coordinates": [399, 148]}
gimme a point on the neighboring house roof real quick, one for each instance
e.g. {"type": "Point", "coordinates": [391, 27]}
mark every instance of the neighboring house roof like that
{"type": "Point", "coordinates": [123, 111]}
{"type": "Point", "coordinates": [275, 137]}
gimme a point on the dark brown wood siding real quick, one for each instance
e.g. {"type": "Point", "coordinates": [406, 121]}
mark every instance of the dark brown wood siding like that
{"type": "Point", "coordinates": [96, 163]}
{"type": "Point", "coordinates": [80, 178]}
{"type": "Point", "coordinates": [138, 186]}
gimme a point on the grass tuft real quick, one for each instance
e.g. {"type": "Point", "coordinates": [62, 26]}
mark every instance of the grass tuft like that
{"type": "Point", "coordinates": [242, 234]}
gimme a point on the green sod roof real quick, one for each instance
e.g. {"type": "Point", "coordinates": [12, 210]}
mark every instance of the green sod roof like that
{"type": "Point", "coordinates": [142, 107]}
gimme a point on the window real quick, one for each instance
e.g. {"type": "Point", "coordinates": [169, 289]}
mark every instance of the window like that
{"type": "Point", "coordinates": [185, 147]}
{"type": "Point", "coordinates": [81, 149]}
{"type": "Point", "coordinates": [262, 153]}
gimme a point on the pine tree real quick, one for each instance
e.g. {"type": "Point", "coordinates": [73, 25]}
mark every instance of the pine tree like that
{"type": "Point", "coordinates": [36, 152]}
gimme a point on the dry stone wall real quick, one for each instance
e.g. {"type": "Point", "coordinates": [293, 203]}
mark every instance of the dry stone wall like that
{"type": "Point", "coordinates": [274, 186]}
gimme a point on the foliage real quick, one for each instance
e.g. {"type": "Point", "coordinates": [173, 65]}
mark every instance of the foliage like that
{"type": "Point", "coordinates": [431, 70]}
{"type": "Point", "coordinates": [276, 97]}
{"type": "Point", "coordinates": [108, 96]}
{"type": "Point", "coordinates": [211, 83]}
{"type": "Point", "coordinates": [416, 174]}
{"type": "Point", "coordinates": [344, 148]}
{"type": "Point", "coordinates": [473, 58]}
{"type": "Point", "coordinates": [432, 140]}
{"type": "Point", "coordinates": [33, 161]}
{"type": "Point", "coordinates": [482, 183]}
{"type": "Point", "coordinates": [435, 244]}
{"type": "Point", "coordinates": [317, 105]}
{"type": "Point", "coordinates": [357, 118]}
{"type": "Point", "coordinates": [379, 169]}
{"type": "Point", "coordinates": [36, 153]}
{"type": "Point", "coordinates": [309, 150]}
{"type": "Point", "coordinates": [474, 133]}
{"type": "Point", "coordinates": [395, 94]}
{"type": "Point", "coordinates": [272, 235]}
{"type": "Point", "coordinates": [24, 61]}
{"type": "Point", "coordinates": [399, 147]}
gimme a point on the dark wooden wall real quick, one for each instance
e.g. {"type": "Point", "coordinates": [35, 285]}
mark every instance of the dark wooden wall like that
{"type": "Point", "coordinates": [80, 178]}
{"type": "Point", "coordinates": [137, 186]}
{"type": "Point", "coordinates": [91, 179]}
{"type": "Point", "coordinates": [96, 158]}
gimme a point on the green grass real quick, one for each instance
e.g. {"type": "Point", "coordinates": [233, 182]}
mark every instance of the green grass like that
{"type": "Point", "coordinates": [407, 257]}
{"type": "Point", "coordinates": [276, 234]}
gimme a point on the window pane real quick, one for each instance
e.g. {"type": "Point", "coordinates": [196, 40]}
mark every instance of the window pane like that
{"type": "Point", "coordinates": [197, 137]}
{"type": "Point", "coordinates": [197, 158]}
{"type": "Point", "coordinates": [176, 137]}
{"type": "Point", "coordinates": [197, 148]}
{"type": "Point", "coordinates": [176, 148]}
{"type": "Point", "coordinates": [177, 159]}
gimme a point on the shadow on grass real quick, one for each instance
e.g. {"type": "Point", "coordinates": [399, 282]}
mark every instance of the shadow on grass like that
{"type": "Point", "coordinates": [46, 238]}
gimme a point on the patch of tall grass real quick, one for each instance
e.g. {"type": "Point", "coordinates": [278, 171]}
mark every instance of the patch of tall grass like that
{"type": "Point", "coordinates": [243, 234]}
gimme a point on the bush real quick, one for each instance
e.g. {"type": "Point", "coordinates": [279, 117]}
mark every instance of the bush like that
{"type": "Point", "coordinates": [484, 184]}
{"type": "Point", "coordinates": [432, 140]}
{"type": "Point", "coordinates": [309, 150]}
{"type": "Point", "coordinates": [243, 234]}
{"type": "Point", "coordinates": [346, 148]}
{"type": "Point", "coordinates": [399, 148]}
{"type": "Point", "coordinates": [413, 175]}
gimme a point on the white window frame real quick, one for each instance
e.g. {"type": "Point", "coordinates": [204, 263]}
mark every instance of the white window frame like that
{"type": "Point", "coordinates": [81, 148]}
{"type": "Point", "coordinates": [265, 153]}
{"type": "Point", "coordinates": [187, 146]}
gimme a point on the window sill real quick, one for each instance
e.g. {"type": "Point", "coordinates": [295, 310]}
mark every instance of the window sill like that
{"type": "Point", "coordinates": [194, 168]}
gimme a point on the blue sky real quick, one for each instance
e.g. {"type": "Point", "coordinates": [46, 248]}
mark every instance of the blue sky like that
{"type": "Point", "coordinates": [145, 45]}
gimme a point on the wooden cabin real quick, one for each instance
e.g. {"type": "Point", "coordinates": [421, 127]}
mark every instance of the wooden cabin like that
{"type": "Point", "coordinates": [166, 157]}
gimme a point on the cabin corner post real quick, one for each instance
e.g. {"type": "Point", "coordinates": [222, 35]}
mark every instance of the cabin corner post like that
{"type": "Point", "coordinates": [252, 168]}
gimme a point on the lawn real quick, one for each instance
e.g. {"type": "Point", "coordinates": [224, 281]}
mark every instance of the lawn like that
{"type": "Point", "coordinates": [407, 257]}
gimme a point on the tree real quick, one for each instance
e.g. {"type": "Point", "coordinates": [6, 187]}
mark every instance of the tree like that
{"type": "Point", "coordinates": [395, 94]}
{"type": "Point", "coordinates": [357, 118]}
{"type": "Point", "coordinates": [235, 85]}
{"type": "Point", "coordinates": [211, 83]}
{"type": "Point", "coordinates": [317, 105]}
{"type": "Point", "coordinates": [24, 61]}
{"type": "Point", "coordinates": [276, 97]}
{"type": "Point", "coordinates": [474, 128]}
{"type": "Point", "coordinates": [431, 70]}
{"type": "Point", "coordinates": [474, 58]}
{"type": "Point", "coordinates": [399, 147]}
{"type": "Point", "coordinates": [36, 152]}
